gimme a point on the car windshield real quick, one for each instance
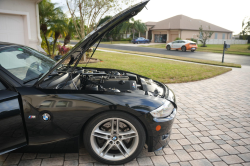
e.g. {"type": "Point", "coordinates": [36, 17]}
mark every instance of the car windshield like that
{"type": "Point", "coordinates": [24, 63]}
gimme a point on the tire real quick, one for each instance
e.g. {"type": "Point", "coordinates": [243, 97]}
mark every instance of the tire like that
{"type": "Point", "coordinates": [192, 50]}
{"type": "Point", "coordinates": [183, 48]}
{"type": "Point", "coordinates": [168, 47]}
{"type": "Point", "coordinates": [114, 148]}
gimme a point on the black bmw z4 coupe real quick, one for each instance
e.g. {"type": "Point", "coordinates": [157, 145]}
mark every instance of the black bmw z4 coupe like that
{"type": "Point", "coordinates": [114, 113]}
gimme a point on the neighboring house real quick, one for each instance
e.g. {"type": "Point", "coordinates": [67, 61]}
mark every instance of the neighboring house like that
{"type": "Point", "coordinates": [19, 22]}
{"type": "Point", "coordinates": [183, 27]}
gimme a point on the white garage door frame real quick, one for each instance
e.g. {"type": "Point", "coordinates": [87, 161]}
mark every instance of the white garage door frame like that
{"type": "Point", "coordinates": [25, 15]}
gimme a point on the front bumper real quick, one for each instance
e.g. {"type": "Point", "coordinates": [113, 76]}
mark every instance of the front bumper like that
{"type": "Point", "coordinates": [160, 138]}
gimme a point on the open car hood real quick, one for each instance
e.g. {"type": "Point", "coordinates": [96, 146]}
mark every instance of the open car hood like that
{"type": "Point", "coordinates": [83, 45]}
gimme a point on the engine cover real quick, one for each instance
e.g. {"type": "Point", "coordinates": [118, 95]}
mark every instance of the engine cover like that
{"type": "Point", "coordinates": [122, 85]}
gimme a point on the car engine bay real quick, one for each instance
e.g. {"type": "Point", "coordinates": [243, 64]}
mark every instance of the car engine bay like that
{"type": "Point", "coordinates": [103, 80]}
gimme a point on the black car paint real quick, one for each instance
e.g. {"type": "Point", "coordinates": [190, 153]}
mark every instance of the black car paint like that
{"type": "Point", "coordinates": [69, 121]}
{"type": "Point", "coordinates": [12, 129]}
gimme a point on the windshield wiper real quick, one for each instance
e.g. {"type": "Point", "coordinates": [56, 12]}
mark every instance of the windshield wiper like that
{"type": "Point", "coordinates": [33, 78]}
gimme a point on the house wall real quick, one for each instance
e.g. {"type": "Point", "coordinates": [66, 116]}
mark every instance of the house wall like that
{"type": "Point", "coordinates": [171, 34]}
{"type": "Point", "coordinates": [28, 9]}
{"type": "Point", "coordinates": [185, 34]}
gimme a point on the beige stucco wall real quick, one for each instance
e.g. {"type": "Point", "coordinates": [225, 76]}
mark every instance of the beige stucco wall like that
{"type": "Point", "coordinates": [28, 9]}
{"type": "Point", "coordinates": [193, 34]}
{"type": "Point", "coordinates": [171, 34]}
{"type": "Point", "coordinates": [185, 34]}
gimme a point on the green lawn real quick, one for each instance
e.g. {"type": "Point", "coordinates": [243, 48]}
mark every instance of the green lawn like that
{"type": "Point", "coordinates": [113, 42]}
{"type": "Point", "coordinates": [117, 42]}
{"type": "Point", "coordinates": [178, 58]}
{"type": "Point", "coordinates": [238, 49]}
{"type": "Point", "coordinates": [165, 71]}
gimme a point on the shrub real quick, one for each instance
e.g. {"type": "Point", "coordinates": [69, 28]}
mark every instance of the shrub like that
{"type": "Point", "coordinates": [44, 46]}
{"type": "Point", "coordinates": [62, 49]}
{"type": "Point", "coordinates": [194, 40]}
{"type": "Point", "coordinates": [248, 47]}
{"type": "Point", "coordinates": [128, 39]}
{"type": "Point", "coordinates": [178, 38]}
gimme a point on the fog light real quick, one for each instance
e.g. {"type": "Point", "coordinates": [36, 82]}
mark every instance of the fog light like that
{"type": "Point", "coordinates": [158, 128]}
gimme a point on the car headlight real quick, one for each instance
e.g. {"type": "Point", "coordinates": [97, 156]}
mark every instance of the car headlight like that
{"type": "Point", "coordinates": [163, 111]}
{"type": "Point", "coordinates": [171, 96]}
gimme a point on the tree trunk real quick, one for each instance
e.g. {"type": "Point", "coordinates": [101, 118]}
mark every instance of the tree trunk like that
{"type": "Point", "coordinates": [57, 34]}
{"type": "Point", "coordinates": [44, 34]}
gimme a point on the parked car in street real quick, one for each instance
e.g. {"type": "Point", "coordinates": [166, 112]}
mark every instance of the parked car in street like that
{"type": "Point", "coordinates": [182, 45]}
{"type": "Point", "coordinates": [113, 112]}
{"type": "Point", "coordinates": [140, 40]}
{"type": "Point", "coordinates": [50, 40]}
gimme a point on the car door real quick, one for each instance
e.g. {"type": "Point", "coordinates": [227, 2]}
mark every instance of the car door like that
{"type": "Point", "coordinates": [174, 44]}
{"type": "Point", "coordinates": [12, 131]}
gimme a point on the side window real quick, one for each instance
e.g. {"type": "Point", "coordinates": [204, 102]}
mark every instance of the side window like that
{"type": "Point", "coordinates": [2, 87]}
{"type": "Point", "coordinates": [215, 36]}
{"type": "Point", "coordinates": [223, 36]}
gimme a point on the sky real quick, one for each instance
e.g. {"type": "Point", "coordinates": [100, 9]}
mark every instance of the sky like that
{"type": "Point", "coordinates": [228, 14]}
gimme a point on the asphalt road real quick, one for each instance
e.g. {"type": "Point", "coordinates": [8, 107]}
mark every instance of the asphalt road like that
{"type": "Point", "coordinates": [229, 58]}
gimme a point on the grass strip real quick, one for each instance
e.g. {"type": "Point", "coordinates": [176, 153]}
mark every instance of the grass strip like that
{"type": "Point", "coordinates": [237, 49]}
{"type": "Point", "coordinates": [178, 58]}
{"type": "Point", "coordinates": [165, 71]}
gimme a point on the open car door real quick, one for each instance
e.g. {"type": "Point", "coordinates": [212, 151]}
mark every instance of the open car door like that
{"type": "Point", "coordinates": [12, 131]}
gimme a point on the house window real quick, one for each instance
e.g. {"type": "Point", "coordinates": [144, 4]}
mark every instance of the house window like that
{"type": "Point", "coordinates": [230, 36]}
{"type": "Point", "coordinates": [215, 35]}
{"type": "Point", "coordinates": [223, 36]}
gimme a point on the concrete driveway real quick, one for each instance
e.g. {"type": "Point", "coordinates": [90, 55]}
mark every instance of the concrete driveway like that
{"type": "Point", "coordinates": [239, 59]}
{"type": "Point", "coordinates": [212, 128]}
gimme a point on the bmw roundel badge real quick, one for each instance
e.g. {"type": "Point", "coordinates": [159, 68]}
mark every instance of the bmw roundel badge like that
{"type": "Point", "coordinates": [46, 117]}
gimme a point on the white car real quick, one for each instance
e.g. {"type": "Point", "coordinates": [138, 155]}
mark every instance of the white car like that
{"type": "Point", "coordinates": [182, 45]}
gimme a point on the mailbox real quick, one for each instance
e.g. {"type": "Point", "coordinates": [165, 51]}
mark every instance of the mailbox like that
{"type": "Point", "coordinates": [227, 46]}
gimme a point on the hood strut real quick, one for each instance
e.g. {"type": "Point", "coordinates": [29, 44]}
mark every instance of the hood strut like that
{"type": "Point", "coordinates": [78, 60]}
{"type": "Point", "coordinates": [95, 49]}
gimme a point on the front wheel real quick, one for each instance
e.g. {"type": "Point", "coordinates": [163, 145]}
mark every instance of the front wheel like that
{"type": "Point", "coordinates": [192, 50]}
{"type": "Point", "coordinates": [168, 47]}
{"type": "Point", "coordinates": [183, 49]}
{"type": "Point", "coordinates": [114, 138]}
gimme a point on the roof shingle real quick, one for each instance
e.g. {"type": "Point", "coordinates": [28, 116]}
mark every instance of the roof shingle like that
{"type": "Point", "coordinates": [185, 23]}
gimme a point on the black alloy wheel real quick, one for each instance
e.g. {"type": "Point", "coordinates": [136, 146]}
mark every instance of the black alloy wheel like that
{"type": "Point", "coordinates": [114, 137]}
{"type": "Point", "coordinates": [168, 47]}
{"type": "Point", "coordinates": [183, 48]}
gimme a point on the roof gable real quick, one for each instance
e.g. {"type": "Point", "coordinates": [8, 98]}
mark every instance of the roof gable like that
{"type": "Point", "coordinates": [186, 23]}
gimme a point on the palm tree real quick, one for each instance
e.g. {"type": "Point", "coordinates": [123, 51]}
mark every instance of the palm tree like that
{"type": "Point", "coordinates": [133, 25]}
{"type": "Point", "coordinates": [69, 31]}
{"type": "Point", "coordinates": [58, 27]}
{"type": "Point", "coordinates": [49, 16]}
{"type": "Point", "coordinates": [245, 28]}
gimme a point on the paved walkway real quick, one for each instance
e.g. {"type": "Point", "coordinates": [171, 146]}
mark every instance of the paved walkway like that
{"type": "Point", "coordinates": [212, 128]}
